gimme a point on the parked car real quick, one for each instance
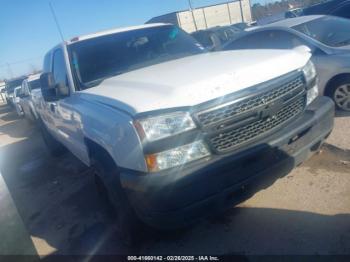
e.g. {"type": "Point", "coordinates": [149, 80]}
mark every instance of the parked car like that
{"type": "Point", "coordinates": [30, 86]}
{"type": "Point", "coordinates": [326, 37]}
{"type": "Point", "coordinates": [16, 100]}
{"type": "Point", "coordinates": [2, 91]}
{"type": "Point", "coordinates": [339, 8]}
{"type": "Point", "coordinates": [342, 10]}
{"type": "Point", "coordinates": [242, 26]}
{"type": "Point", "coordinates": [173, 131]}
{"type": "Point", "coordinates": [295, 12]}
{"type": "Point", "coordinates": [10, 87]}
{"type": "Point", "coordinates": [215, 37]}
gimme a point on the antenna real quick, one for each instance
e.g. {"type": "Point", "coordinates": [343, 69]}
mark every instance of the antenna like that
{"type": "Point", "coordinates": [193, 18]}
{"type": "Point", "coordinates": [56, 21]}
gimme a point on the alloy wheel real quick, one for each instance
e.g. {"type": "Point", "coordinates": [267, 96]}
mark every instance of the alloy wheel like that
{"type": "Point", "coordinates": [342, 97]}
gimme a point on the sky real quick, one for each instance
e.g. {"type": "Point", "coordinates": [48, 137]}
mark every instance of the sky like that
{"type": "Point", "coordinates": [28, 30]}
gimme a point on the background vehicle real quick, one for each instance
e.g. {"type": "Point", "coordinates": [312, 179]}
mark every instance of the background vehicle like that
{"type": "Point", "coordinates": [294, 13]}
{"type": "Point", "coordinates": [2, 91]}
{"type": "Point", "coordinates": [10, 87]}
{"type": "Point", "coordinates": [339, 8]}
{"type": "Point", "coordinates": [17, 93]}
{"type": "Point", "coordinates": [30, 86]}
{"type": "Point", "coordinates": [242, 26]}
{"type": "Point", "coordinates": [326, 37]}
{"type": "Point", "coordinates": [215, 37]}
{"type": "Point", "coordinates": [173, 131]}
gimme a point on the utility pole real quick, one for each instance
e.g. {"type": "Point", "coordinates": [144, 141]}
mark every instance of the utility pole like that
{"type": "Point", "coordinates": [241, 9]}
{"type": "Point", "coordinates": [193, 18]}
{"type": "Point", "coordinates": [229, 11]}
{"type": "Point", "coordinates": [56, 21]}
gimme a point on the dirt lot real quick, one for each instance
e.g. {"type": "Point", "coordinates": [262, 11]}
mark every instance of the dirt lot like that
{"type": "Point", "coordinates": [304, 212]}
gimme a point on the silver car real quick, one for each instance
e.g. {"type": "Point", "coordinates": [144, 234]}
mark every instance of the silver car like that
{"type": "Point", "coordinates": [30, 89]}
{"type": "Point", "coordinates": [326, 37]}
{"type": "Point", "coordinates": [17, 93]}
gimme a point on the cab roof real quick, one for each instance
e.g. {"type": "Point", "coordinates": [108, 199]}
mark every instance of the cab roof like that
{"type": "Point", "coordinates": [112, 31]}
{"type": "Point", "coordinates": [33, 77]}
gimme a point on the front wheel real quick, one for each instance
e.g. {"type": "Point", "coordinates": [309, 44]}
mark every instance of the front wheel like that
{"type": "Point", "coordinates": [108, 185]}
{"type": "Point", "coordinates": [54, 147]}
{"type": "Point", "coordinates": [341, 94]}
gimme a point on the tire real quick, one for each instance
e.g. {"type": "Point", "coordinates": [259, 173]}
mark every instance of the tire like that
{"type": "Point", "coordinates": [109, 188]}
{"type": "Point", "coordinates": [340, 93]}
{"type": "Point", "coordinates": [55, 148]}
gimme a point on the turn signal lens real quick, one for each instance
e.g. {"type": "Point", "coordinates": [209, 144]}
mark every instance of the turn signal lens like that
{"type": "Point", "coordinates": [177, 156]}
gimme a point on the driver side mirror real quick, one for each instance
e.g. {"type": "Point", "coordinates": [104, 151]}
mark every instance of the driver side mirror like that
{"type": "Point", "coordinates": [48, 88]}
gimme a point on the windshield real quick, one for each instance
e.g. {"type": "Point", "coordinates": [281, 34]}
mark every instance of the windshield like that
{"type": "Point", "coordinates": [35, 84]}
{"type": "Point", "coordinates": [329, 30]}
{"type": "Point", "coordinates": [96, 59]}
{"type": "Point", "coordinates": [11, 85]}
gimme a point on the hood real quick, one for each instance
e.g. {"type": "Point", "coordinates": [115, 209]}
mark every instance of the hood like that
{"type": "Point", "coordinates": [193, 80]}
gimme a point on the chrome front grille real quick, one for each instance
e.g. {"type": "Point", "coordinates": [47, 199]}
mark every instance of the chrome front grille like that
{"type": "Point", "coordinates": [228, 140]}
{"type": "Point", "coordinates": [222, 113]}
{"type": "Point", "coordinates": [240, 121]}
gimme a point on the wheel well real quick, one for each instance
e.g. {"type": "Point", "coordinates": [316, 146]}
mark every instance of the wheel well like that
{"type": "Point", "coordinates": [333, 81]}
{"type": "Point", "coordinates": [95, 150]}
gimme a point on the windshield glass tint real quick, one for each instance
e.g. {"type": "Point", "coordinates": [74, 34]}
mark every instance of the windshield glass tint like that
{"type": "Point", "coordinates": [96, 59]}
{"type": "Point", "coordinates": [329, 30]}
{"type": "Point", "coordinates": [34, 84]}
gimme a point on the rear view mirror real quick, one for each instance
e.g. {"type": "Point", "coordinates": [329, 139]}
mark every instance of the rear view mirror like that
{"type": "Point", "coordinates": [48, 89]}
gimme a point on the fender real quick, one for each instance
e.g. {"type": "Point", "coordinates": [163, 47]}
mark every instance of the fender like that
{"type": "Point", "coordinates": [113, 130]}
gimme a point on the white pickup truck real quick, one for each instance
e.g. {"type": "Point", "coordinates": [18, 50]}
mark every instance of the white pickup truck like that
{"type": "Point", "coordinates": [171, 130]}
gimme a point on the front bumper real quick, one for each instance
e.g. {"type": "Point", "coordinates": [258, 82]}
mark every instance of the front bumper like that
{"type": "Point", "coordinates": [177, 197]}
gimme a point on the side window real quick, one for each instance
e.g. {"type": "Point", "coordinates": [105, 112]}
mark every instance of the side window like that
{"type": "Point", "coordinates": [267, 40]}
{"type": "Point", "coordinates": [59, 72]}
{"type": "Point", "coordinates": [47, 62]}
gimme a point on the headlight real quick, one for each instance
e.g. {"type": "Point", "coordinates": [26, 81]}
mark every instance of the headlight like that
{"type": "Point", "coordinates": [158, 127]}
{"type": "Point", "coordinates": [177, 156]}
{"type": "Point", "coordinates": [312, 93]}
{"type": "Point", "coordinates": [309, 71]}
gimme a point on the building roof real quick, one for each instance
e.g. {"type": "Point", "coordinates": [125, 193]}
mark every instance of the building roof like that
{"type": "Point", "coordinates": [186, 10]}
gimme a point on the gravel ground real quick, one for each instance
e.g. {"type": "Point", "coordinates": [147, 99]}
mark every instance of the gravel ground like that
{"type": "Point", "coordinates": [304, 212]}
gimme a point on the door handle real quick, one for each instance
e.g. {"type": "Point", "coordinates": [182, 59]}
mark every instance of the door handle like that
{"type": "Point", "coordinates": [53, 108]}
